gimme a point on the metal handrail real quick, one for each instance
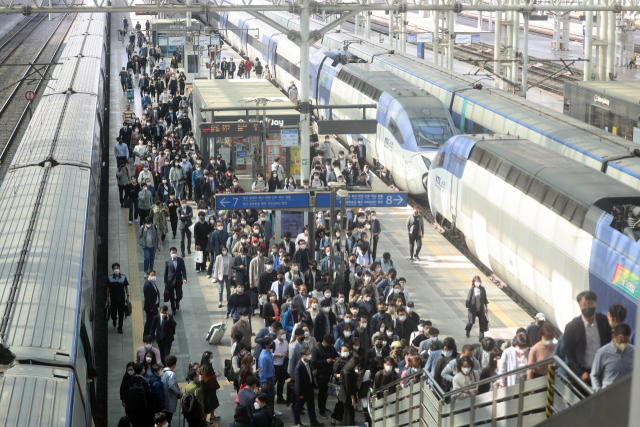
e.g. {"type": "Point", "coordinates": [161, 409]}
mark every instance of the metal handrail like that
{"type": "Point", "coordinates": [408, 378]}
{"type": "Point", "coordinates": [548, 361]}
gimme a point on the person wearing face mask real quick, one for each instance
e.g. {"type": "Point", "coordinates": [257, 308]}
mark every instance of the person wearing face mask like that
{"type": "Point", "coordinates": [292, 276]}
{"type": "Point", "coordinates": [151, 300]}
{"type": "Point", "coordinates": [260, 185]}
{"type": "Point", "coordinates": [138, 401]}
{"type": "Point", "coordinates": [185, 215]}
{"type": "Point", "coordinates": [477, 306]}
{"type": "Point", "coordinates": [403, 326]}
{"type": "Point", "coordinates": [145, 201]}
{"type": "Point", "coordinates": [147, 347]}
{"type": "Point", "coordinates": [117, 295]}
{"type": "Point", "coordinates": [150, 240]}
{"type": "Point", "coordinates": [412, 315]}
{"type": "Point", "coordinates": [132, 191]}
{"type": "Point", "coordinates": [386, 376]}
{"type": "Point", "coordinates": [613, 360]}
{"type": "Point", "coordinates": [451, 369]}
{"type": "Point", "coordinates": [534, 328]}
{"type": "Point", "coordinates": [194, 387]}
{"type": "Point", "coordinates": [304, 381]}
{"type": "Point", "coordinates": [241, 265]}
{"type": "Point", "coordinates": [415, 230]}
{"type": "Point", "coordinates": [156, 389]}
{"type": "Point", "coordinates": [175, 276]}
{"type": "Point", "coordinates": [173, 204]}
{"type": "Point", "coordinates": [163, 329]}
{"type": "Point", "coordinates": [201, 231]}
{"type": "Point", "coordinates": [210, 384]}
{"type": "Point", "coordinates": [278, 288]}
{"type": "Point", "coordinates": [129, 373]}
{"type": "Point", "coordinates": [301, 257]}
{"type": "Point", "coordinates": [543, 349]}
{"type": "Point", "coordinates": [449, 353]}
{"type": "Point", "coordinates": [236, 187]}
{"type": "Point", "coordinates": [221, 273]}
{"type": "Point", "coordinates": [170, 383]}
{"type": "Point", "coordinates": [325, 321]}
{"type": "Point", "coordinates": [584, 335]}
{"type": "Point", "coordinates": [379, 350]}
{"type": "Point", "coordinates": [616, 314]}
{"type": "Point", "coordinates": [465, 377]}
{"type": "Point", "coordinates": [512, 358]}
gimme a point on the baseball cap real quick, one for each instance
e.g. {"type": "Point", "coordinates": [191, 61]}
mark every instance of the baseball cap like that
{"type": "Point", "coordinates": [540, 316]}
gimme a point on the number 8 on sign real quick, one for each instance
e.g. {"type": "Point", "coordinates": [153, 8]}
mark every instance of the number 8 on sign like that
{"type": "Point", "coordinates": [389, 201]}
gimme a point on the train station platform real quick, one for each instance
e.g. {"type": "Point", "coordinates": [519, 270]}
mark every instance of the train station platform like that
{"type": "Point", "coordinates": [438, 284]}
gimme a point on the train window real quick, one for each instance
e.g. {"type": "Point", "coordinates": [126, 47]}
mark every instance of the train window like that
{"type": "Point", "coordinates": [567, 105]}
{"type": "Point", "coordinates": [439, 160]}
{"type": "Point", "coordinates": [395, 130]}
{"type": "Point", "coordinates": [431, 131]}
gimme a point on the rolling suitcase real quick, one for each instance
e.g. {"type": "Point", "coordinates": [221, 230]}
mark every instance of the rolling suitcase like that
{"type": "Point", "coordinates": [130, 94]}
{"type": "Point", "coordinates": [216, 333]}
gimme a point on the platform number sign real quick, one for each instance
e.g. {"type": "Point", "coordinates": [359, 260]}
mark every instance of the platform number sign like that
{"type": "Point", "coordinates": [30, 95]}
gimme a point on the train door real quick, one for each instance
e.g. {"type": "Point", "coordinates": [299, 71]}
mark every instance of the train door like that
{"type": "Point", "coordinates": [456, 162]}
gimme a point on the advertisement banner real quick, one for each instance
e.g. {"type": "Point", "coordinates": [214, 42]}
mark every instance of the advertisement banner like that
{"type": "Point", "coordinates": [626, 282]}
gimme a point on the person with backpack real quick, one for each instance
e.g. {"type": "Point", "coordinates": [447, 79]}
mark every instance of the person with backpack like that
{"type": "Point", "coordinates": [138, 398]}
{"type": "Point", "coordinates": [263, 413]}
{"type": "Point", "coordinates": [193, 403]}
{"type": "Point", "coordinates": [156, 388]}
{"type": "Point", "coordinates": [170, 383]}
{"type": "Point", "coordinates": [258, 68]}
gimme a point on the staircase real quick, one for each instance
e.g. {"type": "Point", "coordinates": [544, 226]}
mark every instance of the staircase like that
{"type": "Point", "coordinates": [419, 401]}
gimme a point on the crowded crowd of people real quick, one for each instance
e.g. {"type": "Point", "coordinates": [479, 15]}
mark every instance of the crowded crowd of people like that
{"type": "Point", "coordinates": [305, 327]}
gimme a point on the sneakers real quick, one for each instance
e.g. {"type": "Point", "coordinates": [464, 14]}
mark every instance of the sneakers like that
{"type": "Point", "coordinates": [278, 413]}
{"type": "Point", "coordinates": [130, 222]}
{"type": "Point", "coordinates": [411, 259]}
{"type": "Point", "coordinates": [208, 276]}
{"type": "Point", "coordinates": [137, 220]}
{"type": "Point", "coordinates": [323, 415]}
{"type": "Point", "coordinates": [417, 258]}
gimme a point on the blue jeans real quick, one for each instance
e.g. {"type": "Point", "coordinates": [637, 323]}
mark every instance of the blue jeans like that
{"type": "Point", "coordinates": [270, 387]}
{"type": "Point", "coordinates": [227, 284]}
{"type": "Point", "coordinates": [178, 189]}
{"type": "Point", "coordinates": [123, 37]}
{"type": "Point", "coordinates": [149, 258]}
{"type": "Point", "coordinates": [133, 205]}
{"type": "Point", "coordinates": [247, 74]}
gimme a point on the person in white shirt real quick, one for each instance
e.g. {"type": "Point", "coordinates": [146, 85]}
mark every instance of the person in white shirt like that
{"type": "Point", "coordinates": [280, 353]}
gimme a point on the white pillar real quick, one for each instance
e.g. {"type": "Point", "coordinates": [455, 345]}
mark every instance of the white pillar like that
{"type": "Point", "coordinates": [497, 43]}
{"type": "Point", "coordinates": [611, 47]}
{"type": "Point", "coordinates": [356, 29]}
{"type": "Point", "coordinates": [525, 54]}
{"type": "Point", "coordinates": [480, 20]}
{"type": "Point", "coordinates": [588, 36]}
{"type": "Point", "coordinates": [304, 91]}
{"type": "Point", "coordinates": [403, 27]}
{"type": "Point", "coordinates": [391, 29]}
{"type": "Point", "coordinates": [451, 40]}
{"type": "Point", "coordinates": [508, 40]}
{"type": "Point", "coordinates": [602, 57]}
{"type": "Point", "coordinates": [516, 44]}
{"type": "Point", "coordinates": [436, 33]}
{"type": "Point", "coordinates": [367, 26]}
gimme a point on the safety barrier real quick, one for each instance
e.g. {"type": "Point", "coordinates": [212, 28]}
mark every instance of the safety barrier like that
{"type": "Point", "coordinates": [418, 401]}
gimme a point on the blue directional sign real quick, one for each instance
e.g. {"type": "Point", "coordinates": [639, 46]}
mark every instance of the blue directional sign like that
{"type": "Point", "coordinates": [262, 201]}
{"type": "Point", "coordinates": [241, 153]}
{"type": "Point", "coordinates": [365, 199]}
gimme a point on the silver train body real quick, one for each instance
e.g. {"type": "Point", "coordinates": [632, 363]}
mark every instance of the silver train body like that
{"type": "Point", "coordinates": [48, 237]}
{"type": "Point", "coordinates": [546, 224]}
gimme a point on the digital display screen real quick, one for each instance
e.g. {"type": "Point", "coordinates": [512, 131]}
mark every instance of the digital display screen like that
{"type": "Point", "coordinates": [230, 129]}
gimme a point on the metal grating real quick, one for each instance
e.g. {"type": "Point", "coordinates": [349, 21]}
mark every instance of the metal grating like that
{"type": "Point", "coordinates": [523, 181]}
{"type": "Point", "coordinates": [503, 170]}
{"type": "Point", "coordinates": [538, 189]}
{"type": "Point", "coordinates": [493, 165]}
{"type": "Point", "coordinates": [550, 197]}
{"type": "Point", "coordinates": [569, 209]}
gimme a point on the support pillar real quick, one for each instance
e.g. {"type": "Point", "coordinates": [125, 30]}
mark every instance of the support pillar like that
{"type": "Point", "coordinates": [525, 54]}
{"type": "Point", "coordinates": [450, 22]}
{"type": "Point", "coordinates": [367, 25]}
{"type": "Point", "coordinates": [480, 20]}
{"type": "Point", "coordinates": [515, 28]}
{"type": "Point", "coordinates": [611, 47]}
{"type": "Point", "coordinates": [602, 56]}
{"type": "Point", "coordinates": [304, 90]}
{"type": "Point", "coordinates": [497, 43]}
{"type": "Point", "coordinates": [588, 39]}
{"type": "Point", "coordinates": [403, 28]}
{"type": "Point", "coordinates": [436, 34]}
{"type": "Point", "coordinates": [391, 13]}
{"type": "Point", "coordinates": [508, 43]}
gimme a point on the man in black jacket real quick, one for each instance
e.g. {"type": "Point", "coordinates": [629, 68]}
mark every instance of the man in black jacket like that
{"type": "Point", "coordinates": [325, 321]}
{"type": "Point", "coordinates": [138, 398]}
{"type": "Point", "coordinates": [125, 134]}
{"type": "Point", "coordinates": [415, 230]}
{"type": "Point", "coordinates": [151, 299]}
{"type": "Point", "coordinates": [241, 266]}
{"type": "Point", "coordinates": [123, 79]}
{"type": "Point", "coordinates": [404, 327]}
{"type": "Point", "coordinates": [163, 329]}
{"type": "Point", "coordinates": [175, 275]}
{"type": "Point", "coordinates": [117, 295]}
{"type": "Point", "coordinates": [584, 335]}
{"type": "Point", "coordinates": [303, 388]}
{"type": "Point", "coordinates": [378, 350]}
{"type": "Point", "coordinates": [323, 357]}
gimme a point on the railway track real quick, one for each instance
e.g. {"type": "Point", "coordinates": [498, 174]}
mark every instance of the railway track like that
{"type": "Point", "coordinates": [43, 47]}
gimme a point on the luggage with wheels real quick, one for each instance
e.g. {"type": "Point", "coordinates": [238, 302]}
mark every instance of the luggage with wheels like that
{"type": "Point", "coordinates": [130, 94]}
{"type": "Point", "coordinates": [216, 333]}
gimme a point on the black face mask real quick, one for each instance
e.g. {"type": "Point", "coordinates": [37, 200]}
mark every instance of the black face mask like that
{"type": "Point", "coordinates": [379, 345]}
{"type": "Point", "coordinates": [352, 261]}
{"type": "Point", "coordinates": [382, 312]}
{"type": "Point", "coordinates": [588, 312]}
{"type": "Point", "coordinates": [281, 280]}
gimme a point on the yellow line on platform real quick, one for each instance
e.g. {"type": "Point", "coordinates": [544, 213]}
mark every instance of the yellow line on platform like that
{"type": "Point", "coordinates": [137, 324]}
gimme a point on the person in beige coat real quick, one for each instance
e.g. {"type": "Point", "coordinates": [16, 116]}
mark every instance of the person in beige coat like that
{"type": "Point", "coordinates": [256, 268]}
{"type": "Point", "coordinates": [221, 271]}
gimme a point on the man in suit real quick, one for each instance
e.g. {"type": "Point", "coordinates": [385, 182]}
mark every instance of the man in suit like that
{"type": "Point", "coordinates": [361, 150]}
{"type": "Point", "coordinates": [175, 275]}
{"type": "Point", "coordinates": [378, 349]}
{"type": "Point", "coordinates": [163, 329]}
{"type": "Point", "coordinates": [288, 245]}
{"type": "Point", "coordinates": [303, 387]}
{"type": "Point", "coordinates": [241, 266]}
{"type": "Point", "coordinates": [584, 335]}
{"type": "Point", "coordinates": [185, 214]}
{"type": "Point", "coordinates": [151, 299]}
{"type": "Point", "coordinates": [325, 320]}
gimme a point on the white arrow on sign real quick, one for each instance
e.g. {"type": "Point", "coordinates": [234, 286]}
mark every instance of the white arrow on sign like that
{"type": "Point", "coordinates": [399, 199]}
{"type": "Point", "coordinates": [224, 203]}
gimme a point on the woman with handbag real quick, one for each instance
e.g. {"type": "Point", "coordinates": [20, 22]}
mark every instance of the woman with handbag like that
{"type": "Point", "coordinates": [246, 371]}
{"type": "Point", "coordinates": [210, 384]}
{"type": "Point", "coordinates": [348, 395]}
{"type": "Point", "coordinates": [236, 365]}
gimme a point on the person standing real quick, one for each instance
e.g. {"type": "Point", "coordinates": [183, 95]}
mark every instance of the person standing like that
{"type": "Point", "coordinates": [267, 374]}
{"type": "Point", "coordinates": [138, 398]}
{"type": "Point", "coordinates": [217, 240]}
{"type": "Point", "coordinates": [534, 328]}
{"type": "Point", "coordinates": [185, 214]}
{"type": "Point", "coordinates": [280, 354]}
{"type": "Point", "coordinates": [324, 357]}
{"type": "Point", "coordinates": [149, 242]}
{"type": "Point", "coordinates": [221, 273]}
{"type": "Point", "coordinates": [151, 300]}
{"type": "Point", "coordinates": [172, 392]}
{"type": "Point", "coordinates": [415, 230]}
{"type": "Point", "coordinates": [361, 150]}
{"type": "Point", "coordinates": [194, 387]}
{"type": "Point", "coordinates": [117, 288]}
{"type": "Point", "coordinates": [303, 387]}
{"type": "Point", "coordinates": [175, 275]}
{"type": "Point", "coordinates": [132, 191]}
{"type": "Point", "coordinates": [123, 178]}
{"type": "Point", "coordinates": [210, 383]}
{"type": "Point", "coordinates": [163, 330]}
{"type": "Point", "coordinates": [584, 335]}
{"type": "Point", "coordinates": [241, 267]}
{"type": "Point", "coordinates": [201, 232]}
{"type": "Point", "coordinates": [477, 303]}
{"type": "Point", "coordinates": [614, 360]}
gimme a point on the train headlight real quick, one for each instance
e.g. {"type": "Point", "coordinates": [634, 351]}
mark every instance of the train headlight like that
{"type": "Point", "coordinates": [427, 162]}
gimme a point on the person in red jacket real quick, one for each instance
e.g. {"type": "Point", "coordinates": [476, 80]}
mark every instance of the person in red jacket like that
{"type": "Point", "coordinates": [247, 68]}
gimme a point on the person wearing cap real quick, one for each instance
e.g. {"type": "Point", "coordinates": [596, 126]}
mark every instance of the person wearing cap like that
{"type": "Point", "coordinates": [534, 328]}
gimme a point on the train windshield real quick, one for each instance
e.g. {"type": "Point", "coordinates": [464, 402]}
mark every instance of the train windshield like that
{"type": "Point", "coordinates": [431, 131]}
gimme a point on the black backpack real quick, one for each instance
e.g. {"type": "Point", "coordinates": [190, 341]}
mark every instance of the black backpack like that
{"type": "Point", "coordinates": [276, 422]}
{"type": "Point", "coordinates": [137, 397]}
{"type": "Point", "coordinates": [190, 405]}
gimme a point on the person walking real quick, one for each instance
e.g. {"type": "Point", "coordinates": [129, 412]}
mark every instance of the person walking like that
{"type": "Point", "coordinates": [117, 288]}
{"type": "Point", "coordinates": [217, 240]}
{"type": "Point", "coordinates": [138, 398]}
{"type": "Point", "coordinates": [201, 231]}
{"type": "Point", "coordinates": [123, 177]}
{"type": "Point", "coordinates": [132, 191]}
{"type": "Point", "coordinates": [303, 388]}
{"type": "Point", "coordinates": [194, 387]}
{"type": "Point", "coordinates": [163, 330]}
{"type": "Point", "coordinates": [149, 241]}
{"type": "Point", "coordinates": [415, 230]}
{"type": "Point", "coordinates": [210, 384]}
{"type": "Point", "coordinates": [151, 300]}
{"type": "Point", "coordinates": [172, 392]}
{"type": "Point", "coordinates": [613, 360]}
{"type": "Point", "coordinates": [221, 273]}
{"type": "Point", "coordinates": [175, 276]}
{"type": "Point", "coordinates": [477, 303]}
{"type": "Point", "coordinates": [185, 213]}
{"type": "Point", "coordinates": [267, 374]}
{"type": "Point", "coordinates": [145, 201]}
{"type": "Point", "coordinates": [160, 213]}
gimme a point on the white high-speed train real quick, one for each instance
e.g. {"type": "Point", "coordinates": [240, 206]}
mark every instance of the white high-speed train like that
{"type": "Point", "coordinates": [412, 124]}
{"type": "Point", "coordinates": [546, 224]}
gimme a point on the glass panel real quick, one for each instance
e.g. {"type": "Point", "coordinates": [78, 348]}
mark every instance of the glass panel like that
{"type": "Point", "coordinates": [430, 132]}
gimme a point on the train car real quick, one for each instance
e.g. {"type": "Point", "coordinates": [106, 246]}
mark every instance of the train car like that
{"type": "Point", "coordinates": [412, 124]}
{"type": "Point", "coordinates": [48, 236]}
{"type": "Point", "coordinates": [546, 224]}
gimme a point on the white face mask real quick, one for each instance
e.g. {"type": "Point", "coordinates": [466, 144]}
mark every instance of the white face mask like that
{"type": "Point", "coordinates": [476, 284]}
{"type": "Point", "coordinates": [303, 247]}
{"type": "Point", "coordinates": [116, 271]}
{"type": "Point", "coordinates": [148, 359]}
{"type": "Point", "coordinates": [341, 300]}
{"type": "Point", "coordinates": [283, 337]}
{"type": "Point", "coordinates": [519, 350]}
{"type": "Point", "coordinates": [388, 368]}
{"type": "Point", "coordinates": [421, 328]}
{"type": "Point", "coordinates": [307, 334]}
{"type": "Point", "coordinates": [314, 305]}
{"type": "Point", "coordinates": [547, 343]}
{"type": "Point", "coordinates": [367, 299]}
{"type": "Point", "coordinates": [326, 309]}
{"type": "Point", "coordinates": [396, 291]}
{"type": "Point", "coordinates": [147, 346]}
{"type": "Point", "coordinates": [256, 405]}
{"type": "Point", "coordinates": [347, 320]}
{"type": "Point", "coordinates": [245, 318]}
{"type": "Point", "coordinates": [347, 334]}
{"type": "Point", "coordinates": [367, 279]}
{"type": "Point", "coordinates": [174, 256]}
{"type": "Point", "coordinates": [220, 228]}
{"type": "Point", "coordinates": [389, 333]}
{"type": "Point", "coordinates": [409, 310]}
{"type": "Point", "coordinates": [327, 295]}
{"type": "Point", "coordinates": [363, 325]}
{"type": "Point", "coordinates": [466, 371]}
{"type": "Point", "coordinates": [344, 354]}
{"type": "Point", "coordinates": [447, 353]}
{"type": "Point", "coordinates": [130, 372]}
{"type": "Point", "coordinates": [402, 318]}
{"type": "Point", "coordinates": [224, 252]}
